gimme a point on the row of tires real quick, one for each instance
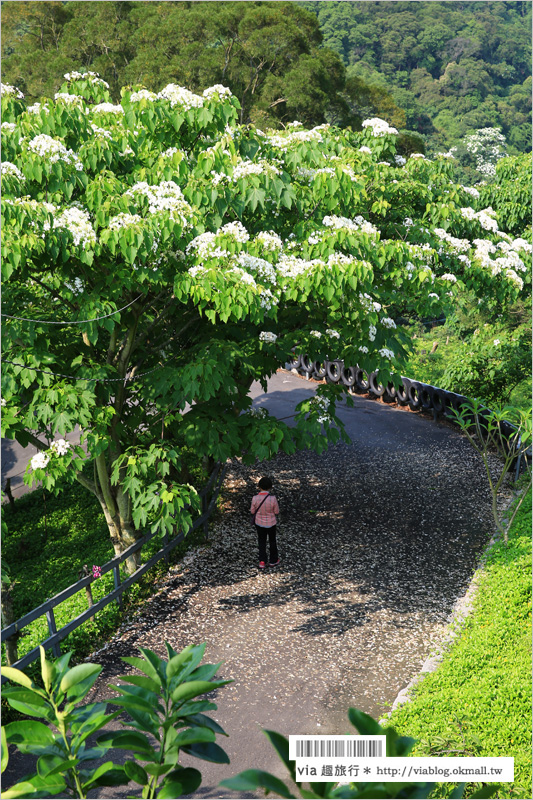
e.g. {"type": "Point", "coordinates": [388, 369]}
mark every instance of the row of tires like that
{"type": "Point", "coordinates": [404, 391]}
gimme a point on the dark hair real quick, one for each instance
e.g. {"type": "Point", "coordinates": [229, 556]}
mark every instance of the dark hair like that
{"type": "Point", "coordinates": [265, 483]}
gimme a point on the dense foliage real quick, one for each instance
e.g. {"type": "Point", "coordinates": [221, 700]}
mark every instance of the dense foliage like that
{"type": "Point", "coordinates": [268, 54]}
{"type": "Point", "coordinates": [452, 68]}
{"type": "Point", "coordinates": [184, 256]}
{"type": "Point", "coordinates": [478, 701]}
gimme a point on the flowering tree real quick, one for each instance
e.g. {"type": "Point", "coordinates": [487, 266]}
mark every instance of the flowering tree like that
{"type": "Point", "coordinates": [158, 258]}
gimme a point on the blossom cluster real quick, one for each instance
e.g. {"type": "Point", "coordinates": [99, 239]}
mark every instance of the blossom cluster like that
{"type": "Point", "coordinates": [91, 77]}
{"type": "Point", "coordinates": [70, 99]}
{"type": "Point", "coordinates": [7, 89]}
{"type": "Point", "coordinates": [167, 196]}
{"type": "Point", "coordinates": [8, 168]}
{"type": "Point", "coordinates": [356, 224]}
{"type": "Point", "coordinates": [267, 336]}
{"type": "Point", "coordinates": [379, 127]}
{"type": "Point", "coordinates": [108, 108]}
{"type": "Point", "coordinates": [484, 217]}
{"type": "Point", "coordinates": [54, 150]}
{"type": "Point", "coordinates": [77, 221]}
{"type": "Point", "coordinates": [123, 220]}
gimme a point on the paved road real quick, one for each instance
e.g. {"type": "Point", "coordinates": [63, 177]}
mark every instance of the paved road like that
{"type": "Point", "coordinates": [378, 539]}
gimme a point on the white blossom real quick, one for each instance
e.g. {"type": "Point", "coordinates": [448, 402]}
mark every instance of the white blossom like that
{"type": "Point", "coordinates": [449, 277]}
{"type": "Point", "coordinates": [178, 96]}
{"type": "Point", "coordinates": [69, 99]}
{"type": "Point", "coordinates": [7, 89]}
{"type": "Point", "coordinates": [400, 160]}
{"type": "Point", "coordinates": [269, 240]}
{"type": "Point", "coordinates": [8, 126]}
{"type": "Point", "coordinates": [365, 149]}
{"type": "Point", "coordinates": [53, 150]}
{"type": "Point", "coordinates": [316, 334]}
{"type": "Point", "coordinates": [236, 230]}
{"type": "Point", "coordinates": [123, 220]}
{"type": "Point", "coordinates": [496, 342]}
{"type": "Point", "coordinates": [60, 447]}
{"type": "Point", "coordinates": [386, 353]}
{"type": "Point", "coordinates": [142, 94]}
{"type": "Point", "coordinates": [78, 223]}
{"type": "Point", "coordinates": [267, 336]}
{"type": "Point", "coordinates": [378, 126]}
{"type": "Point", "coordinates": [108, 108]}
{"type": "Point", "coordinates": [471, 191]}
{"type": "Point", "coordinates": [363, 349]}
{"type": "Point", "coordinates": [418, 155]}
{"type": "Point", "coordinates": [40, 461]}
{"type": "Point", "coordinates": [217, 90]}
{"type": "Point", "coordinates": [387, 322]}
{"type": "Point", "coordinates": [10, 169]}
{"type": "Point", "coordinates": [166, 196]}
{"type": "Point", "coordinates": [372, 332]}
{"type": "Point", "coordinates": [332, 333]}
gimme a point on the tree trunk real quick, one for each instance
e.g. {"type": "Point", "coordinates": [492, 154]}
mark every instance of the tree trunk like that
{"type": "Point", "coordinates": [7, 618]}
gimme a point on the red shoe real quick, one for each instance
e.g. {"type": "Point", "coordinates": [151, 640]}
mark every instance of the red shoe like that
{"type": "Point", "coordinates": [262, 565]}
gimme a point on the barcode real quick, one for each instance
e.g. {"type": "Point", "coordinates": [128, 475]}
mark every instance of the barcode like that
{"type": "Point", "coordinates": [349, 747]}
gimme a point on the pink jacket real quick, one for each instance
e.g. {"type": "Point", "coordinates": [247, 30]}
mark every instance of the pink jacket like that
{"type": "Point", "coordinates": [266, 516]}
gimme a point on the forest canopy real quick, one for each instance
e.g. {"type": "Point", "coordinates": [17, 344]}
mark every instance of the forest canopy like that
{"type": "Point", "coordinates": [452, 67]}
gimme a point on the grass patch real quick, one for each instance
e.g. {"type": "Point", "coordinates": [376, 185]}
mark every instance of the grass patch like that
{"type": "Point", "coordinates": [49, 539]}
{"type": "Point", "coordinates": [478, 702]}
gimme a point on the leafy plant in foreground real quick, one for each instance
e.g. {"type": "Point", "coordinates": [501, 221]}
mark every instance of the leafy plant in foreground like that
{"type": "Point", "coordinates": [253, 779]}
{"type": "Point", "coordinates": [160, 702]}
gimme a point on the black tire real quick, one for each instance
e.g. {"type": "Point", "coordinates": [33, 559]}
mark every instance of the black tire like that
{"type": "Point", "coordinates": [296, 362]}
{"type": "Point", "coordinates": [402, 392]}
{"type": "Point", "coordinates": [334, 370]}
{"type": "Point", "coordinates": [306, 365]}
{"type": "Point", "coordinates": [348, 377]}
{"type": "Point", "coordinates": [414, 397]}
{"type": "Point", "coordinates": [438, 398]}
{"type": "Point", "coordinates": [375, 387]}
{"type": "Point", "coordinates": [362, 380]}
{"type": "Point", "coordinates": [426, 397]}
{"type": "Point", "coordinates": [319, 369]}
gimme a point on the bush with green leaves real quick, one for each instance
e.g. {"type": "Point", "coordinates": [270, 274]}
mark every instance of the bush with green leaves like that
{"type": "Point", "coordinates": [488, 366]}
{"type": "Point", "coordinates": [164, 718]}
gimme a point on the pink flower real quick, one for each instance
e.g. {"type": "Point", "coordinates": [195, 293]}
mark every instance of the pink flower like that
{"type": "Point", "coordinates": [97, 572]}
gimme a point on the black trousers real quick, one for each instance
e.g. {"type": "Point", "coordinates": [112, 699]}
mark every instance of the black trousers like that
{"type": "Point", "coordinates": [262, 534]}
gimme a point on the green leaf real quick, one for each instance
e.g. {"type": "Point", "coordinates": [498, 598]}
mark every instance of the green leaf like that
{"type": "Point", "coordinates": [144, 666]}
{"type": "Point", "coordinates": [193, 688]}
{"type": "Point", "coordinates": [281, 746]}
{"type": "Point", "coordinates": [188, 777]}
{"type": "Point", "coordinates": [136, 773]}
{"type": "Point", "coordinates": [107, 774]}
{"type": "Point", "coordinates": [192, 735]}
{"type": "Point", "coordinates": [252, 779]}
{"type": "Point", "coordinates": [16, 676]}
{"type": "Point", "coordinates": [365, 724]}
{"type": "Point", "coordinates": [29, 735]}
{"type": "Point", "coordinates": [207, 751]}
{"type": "Point", "coordinates": [27, 702]}
{"type": "Point", "coordinates": [5, 750]}
{"type": "Point", "coordinates": [129, 740]}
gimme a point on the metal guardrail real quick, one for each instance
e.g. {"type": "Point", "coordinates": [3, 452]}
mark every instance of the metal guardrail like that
{"type": "Point", "coordinates": [120, 585]}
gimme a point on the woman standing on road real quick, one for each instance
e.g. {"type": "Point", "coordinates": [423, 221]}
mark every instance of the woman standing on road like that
{"type": "Point", "coordinates": [265, 507]}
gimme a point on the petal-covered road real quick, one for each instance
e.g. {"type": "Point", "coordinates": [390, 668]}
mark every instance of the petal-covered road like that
{"type": "Point", "coordinates": [378, 540]}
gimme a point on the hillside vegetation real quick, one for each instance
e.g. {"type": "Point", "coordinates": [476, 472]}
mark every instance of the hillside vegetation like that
{"type": "Point", "coordinates": [451, 68]}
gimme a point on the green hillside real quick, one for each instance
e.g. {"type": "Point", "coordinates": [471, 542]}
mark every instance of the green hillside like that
{"type": "Point", "coordinates": [451, 67]}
